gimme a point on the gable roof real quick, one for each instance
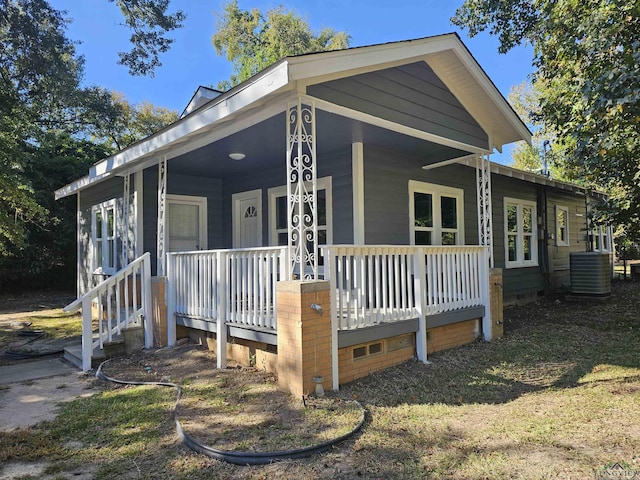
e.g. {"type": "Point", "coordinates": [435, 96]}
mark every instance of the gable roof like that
{"type": "Point", "coordinates": [446, 55]}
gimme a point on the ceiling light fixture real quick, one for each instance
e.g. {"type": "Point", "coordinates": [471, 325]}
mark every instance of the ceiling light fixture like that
{"type": "Point", "coordinates": [237, 156]}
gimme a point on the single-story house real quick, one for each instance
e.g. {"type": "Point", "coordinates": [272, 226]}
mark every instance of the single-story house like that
{"type": "Point", "coordinates": [360, 177]}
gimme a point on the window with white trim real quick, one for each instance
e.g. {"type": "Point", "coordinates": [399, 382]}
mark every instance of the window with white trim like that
{"type": "Point", "coordinates": [436, 214]}
{"type": "Point", "coordinates": [103, 237]}
{"type": "Point", "coordinates": [601, 238]}
{"type": "Point", "coordinates": [278, 224]}
{"type": "Point", "coordinates": [520, 233]}
{"type": "Point", "coordinates": [562, 226]}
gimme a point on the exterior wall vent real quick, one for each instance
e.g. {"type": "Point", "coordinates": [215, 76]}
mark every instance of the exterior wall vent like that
{"type": "Point", "coordinates": [590, 273]}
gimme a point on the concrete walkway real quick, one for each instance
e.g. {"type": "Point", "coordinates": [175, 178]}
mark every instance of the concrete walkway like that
{"type": "Point", "coordinates": [32, 392]}
{"type": "Point", "coordinates": [21, 372]}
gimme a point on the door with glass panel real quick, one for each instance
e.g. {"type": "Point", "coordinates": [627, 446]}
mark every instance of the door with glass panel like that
{"type": "Point", "coordinates": [187, 223]}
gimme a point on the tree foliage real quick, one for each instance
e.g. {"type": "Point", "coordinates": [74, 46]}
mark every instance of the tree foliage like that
{"type": "Point", "coordinates": [39, 77]}
{"type": "Point", "coordinates": [119, 123]}
{"type": "Point", "coordinates": [253, 40]}
{"type": "Point", "coordinates": [49, 126]}
{"type": "Point", "coordinates": [587, 55]}
{"type": "Point", "coordinates": [546, 149]}
{"type": "Point", "coordinates": [149, 23]}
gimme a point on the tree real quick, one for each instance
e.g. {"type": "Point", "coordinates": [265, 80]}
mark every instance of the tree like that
{"type": "Point", "coordinates": [149, 23]}
{"type": "Point", "coordinates": [47, 254]}
{"type": "Point", "coordinates": [39, 74]}
{"type": "Point", "coordinates": [253, 40]}
{"type": "Point", "coordinates": [46, 122]}
{"type": "Point", "coordinates": [119, 123]}
{"type": "Point", "coordinates": [587, 54]}
{"type": "Point", "coordinates": [546, 148]}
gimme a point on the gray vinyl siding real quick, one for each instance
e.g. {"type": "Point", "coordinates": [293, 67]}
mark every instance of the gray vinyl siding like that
{"type": "Point", "coordinates": [523, 281]}
{"type": "Point", "coordinates": [559, 254]}
{"type": "Point", "coordinates": [336, 165]}
{"type": "Point", "coordinates": [101, 192]}
{"type": "Point", "coordinates": [211, 188]}
{"type": "Point", "coordinates": [411, 95]}
{"type": "Point", "coordinates": [386, 194]}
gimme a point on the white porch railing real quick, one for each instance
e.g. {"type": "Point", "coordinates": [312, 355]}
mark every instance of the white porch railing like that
{"type": "Point", "coordinates": [370, 285]}
{"type": "Point", "coordinates": [238, 286]}
{"type": "Point", "coordinates": [382, 284]}
{"type": "Point", "coordinates": [119, 301]}
{"type": "Point", "coordinates": [233, 287]}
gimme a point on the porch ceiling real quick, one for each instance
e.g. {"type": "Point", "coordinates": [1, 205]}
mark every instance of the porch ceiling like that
{"type": "Point", "coordinates": [264, 144]}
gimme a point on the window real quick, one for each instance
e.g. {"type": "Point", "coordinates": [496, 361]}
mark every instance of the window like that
{"type": "Point", "coordinates": [103, 236]}
{"type": "Point", "coordinates": [562, 226]}
{"type": "Point", "coordinates": [436, 214]}
{"type": "Point", "coordinates": [520, 233]}
{"type": "Point", "coordinates": [601, 238]}
{"type": "Point", "coordinates": [278, 225]}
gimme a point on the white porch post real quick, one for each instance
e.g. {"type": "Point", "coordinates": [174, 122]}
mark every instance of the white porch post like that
{"type": "Point", "coordinates": [221, 301]}
{"type": "Point", "coordinates": [485, 294]}
{"type": "Point", "coordinates": [420, 288]}
{"type": "Point", "coordinates": [147, 301]}
{"type": "Point", "coordinates": [171, 299]}
{"type": "Point", "coordinates": [302, 189]}
{"type": "Point", "coordinates": [79, 262]}
{"type": "Point", "coordinates": [483, 190]}
{"type": "Point", "coordinates": [162, 205]}
{"type": "Point", "coordinates": [126, 201]}
{"type": "Point", "coordinates": [331, 273]}
{"type": "Point", "coordinates": [357, 180]}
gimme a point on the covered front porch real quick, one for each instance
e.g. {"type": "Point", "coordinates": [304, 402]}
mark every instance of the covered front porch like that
{"type": "Point", "coordinates": [341, 168]}
{"type": "Point", "coordinates": [375, 293]}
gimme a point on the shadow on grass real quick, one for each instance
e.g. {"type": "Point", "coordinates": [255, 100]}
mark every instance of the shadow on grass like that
{"type": "Point", "coordinates": [548, 344]}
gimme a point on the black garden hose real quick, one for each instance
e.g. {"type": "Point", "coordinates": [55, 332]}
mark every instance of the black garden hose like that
{"type": "Point", "coordinates": [236, 458]}
{"type": "Point", "coordinates": [33, 335]}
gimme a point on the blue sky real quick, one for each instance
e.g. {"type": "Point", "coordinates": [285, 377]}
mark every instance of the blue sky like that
{"type": "Point", "coordinates": [192, 61]}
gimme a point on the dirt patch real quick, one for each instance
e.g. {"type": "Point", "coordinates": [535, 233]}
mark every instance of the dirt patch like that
{"type": "Point", "coordinates": [32, 304]}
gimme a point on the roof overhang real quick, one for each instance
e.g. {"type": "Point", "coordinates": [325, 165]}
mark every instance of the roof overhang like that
{"type": "Point", "coordinates": [450, 60]}
{"type": "Point", "coordinates": [530, 177]}
{"type": "Point", "coordinates": [446, 55]}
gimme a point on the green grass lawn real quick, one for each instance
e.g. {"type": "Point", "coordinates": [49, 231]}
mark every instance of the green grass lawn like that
{"type": "Point", "coordinates": [558, 397]}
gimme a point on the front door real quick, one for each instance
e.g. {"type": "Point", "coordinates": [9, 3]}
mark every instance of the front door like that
{"type": "Point", "coordinates": [247, 219]}
{"type": "Point", "coordinates": [187, 222]}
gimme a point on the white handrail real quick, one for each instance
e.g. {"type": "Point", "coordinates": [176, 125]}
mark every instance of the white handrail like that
{"type": "Point", "coordinates": [114, 312]}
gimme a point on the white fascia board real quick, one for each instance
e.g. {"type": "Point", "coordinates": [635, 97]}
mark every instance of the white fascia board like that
{"type": "Point", "coordinates": [269, 82]}
{"type": "Point", "coordinates": [76, 186]}
{"type": "Point", "coordinates": [321, 67]}
{"type": "Point", "coordinates": [523, 175]}
{"type": "Point", "coordinates": [492, 91]}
